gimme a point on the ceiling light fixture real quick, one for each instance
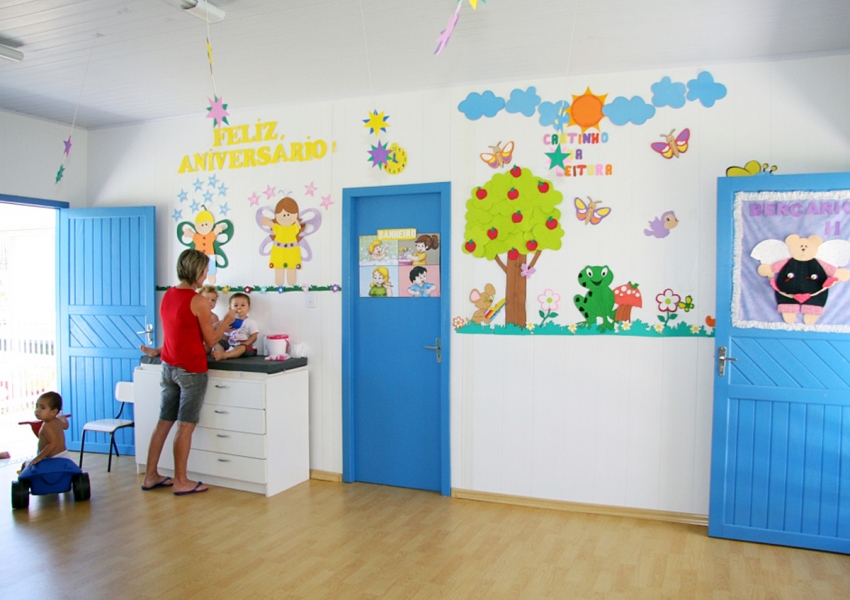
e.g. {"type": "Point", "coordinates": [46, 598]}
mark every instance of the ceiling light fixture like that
{"type": "Point", "coordinates": [204, 11]}
{"type": "Point", "coordinates": [11, 53]}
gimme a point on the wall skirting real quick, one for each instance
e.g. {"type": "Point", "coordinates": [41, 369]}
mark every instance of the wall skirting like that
{"type": "Point", "coordinates": [326, 476]}
{"type": "Point", "coordinates": [595, 509]}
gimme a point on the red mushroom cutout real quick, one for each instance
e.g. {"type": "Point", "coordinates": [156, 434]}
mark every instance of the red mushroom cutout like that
{"type": "Point", "coordinates": [625, 297]}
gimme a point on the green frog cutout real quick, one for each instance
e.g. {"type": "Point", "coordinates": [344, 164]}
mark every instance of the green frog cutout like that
{"type": "Point", "coordinates": [598, 302]}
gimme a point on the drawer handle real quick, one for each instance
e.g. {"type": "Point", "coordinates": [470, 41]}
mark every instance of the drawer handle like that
{"type": "Point", "coordinates": [222, 412]}
{"type": "Point", "coordinates": [222, 387]}
{"type": "Point", "coordinates": [223, 460]}
{"type": "Point", "coordinates": [221, 435]}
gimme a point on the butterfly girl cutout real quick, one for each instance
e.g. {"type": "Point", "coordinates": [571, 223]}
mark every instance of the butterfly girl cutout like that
{"type": "Point", "coordinates": [285, 244]}
{"type": "Point", "coordinates": [207, 236]}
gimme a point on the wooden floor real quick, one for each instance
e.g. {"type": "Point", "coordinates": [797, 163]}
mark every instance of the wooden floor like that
{"type": "Point", "coordinates": [331, 540]}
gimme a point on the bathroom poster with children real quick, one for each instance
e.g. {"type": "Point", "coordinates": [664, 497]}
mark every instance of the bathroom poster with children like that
{"type": "Point", "coordinates": [400, 263]}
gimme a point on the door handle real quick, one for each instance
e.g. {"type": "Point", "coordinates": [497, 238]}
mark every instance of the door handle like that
{"type": "Point", "coordinates": [722, 359]}
{"type": "Point", "coordinates": [439, 350]}
{"type": "Point", "coordinates": [147, 332]}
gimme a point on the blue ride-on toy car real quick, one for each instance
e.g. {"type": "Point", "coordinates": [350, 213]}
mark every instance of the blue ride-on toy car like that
{"type": "Point", "coordinates": [50, 476]}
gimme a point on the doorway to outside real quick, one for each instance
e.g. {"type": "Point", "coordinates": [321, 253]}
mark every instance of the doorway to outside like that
{"type": "Point", "coordinates": [27, 319]}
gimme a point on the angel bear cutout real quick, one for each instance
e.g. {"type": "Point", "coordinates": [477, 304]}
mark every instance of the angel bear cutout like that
{"type": "Point", "coordinates": [802, 270]}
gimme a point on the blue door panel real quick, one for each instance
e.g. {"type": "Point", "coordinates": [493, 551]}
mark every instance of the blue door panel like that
{"type": "Point", "coordinates": [106, 295]}
{"type": "Point", "coordinates": [781, 436]}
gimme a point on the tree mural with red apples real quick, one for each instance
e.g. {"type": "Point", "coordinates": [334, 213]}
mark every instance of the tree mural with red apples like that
{"type": "Point", "coordinates": [514, 214]}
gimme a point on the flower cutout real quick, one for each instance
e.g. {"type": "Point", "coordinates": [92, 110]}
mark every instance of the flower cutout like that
{"type": "Point", "coordinates": [668, 301]}
{"type": "Point", "coordinates": [527, 272]}
{"type": "Point", "coordinates": [335, 288]}
{"type": "Point", "coordinates": [530, 327]}
{"type": "Point", "coordinates": [626, 325]}
{"type": "Point", "coordinates": [687, 304]}
{"type": "Point", "coordinates": [658, 328]}
{"type": "Point", "coordinates": [695, 329]}
{"type": "Point", "coordinates": [248, 289]}
{"type": "Point", "coordinates": [572, 327]}
{"type": "Point", "coordinates": [225, 289]}
{"type": "Point", "coordinates": [305, 287]}
{"type": "Point", "coordinates": [458, 322]}
{"type": "Point", "coordinates": [549, 300]}
{"type": "Point", "coordinates": [280, 289]}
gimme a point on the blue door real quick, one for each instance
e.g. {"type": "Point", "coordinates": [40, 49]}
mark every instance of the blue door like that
{"type": "Point", "coordinates": [780, 464]}
{"type": "Point", "coordinates": [106, 296]}
{"type": "Point", "coordinates": [395, 383]}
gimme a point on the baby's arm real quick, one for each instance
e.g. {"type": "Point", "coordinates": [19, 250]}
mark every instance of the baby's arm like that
{"type": "Point", "coordinates": [63, 420]}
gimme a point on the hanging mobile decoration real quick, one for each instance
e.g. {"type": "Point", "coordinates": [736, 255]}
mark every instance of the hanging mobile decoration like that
{"type": "Point", "coordinates": [61, 172]}
{"type": "Point", "coordinates": [217, 110]}
{"type": "Point", "coordinates": [446, 34]}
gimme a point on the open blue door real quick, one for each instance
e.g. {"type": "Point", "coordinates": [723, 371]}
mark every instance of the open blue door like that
{"type": "Point", "coordinates": [106, 296]}
{"type": "Point", "coordinates": [780, 464]}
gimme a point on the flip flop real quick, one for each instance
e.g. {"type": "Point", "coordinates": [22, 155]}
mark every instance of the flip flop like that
{"type": "Point", "coordinates": [194, 490]}
{"type": "Point", "coordinates": [161, 484]}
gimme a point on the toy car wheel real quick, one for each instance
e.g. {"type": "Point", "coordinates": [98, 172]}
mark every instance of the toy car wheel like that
{"type": "Point", "coordinates": [20, 494]}
{"type": "Point", "coordinates": [81, 486]}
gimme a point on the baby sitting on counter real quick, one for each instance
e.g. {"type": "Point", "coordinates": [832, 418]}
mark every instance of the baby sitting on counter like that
{"type": "Point", "coordinates": [239, 340]}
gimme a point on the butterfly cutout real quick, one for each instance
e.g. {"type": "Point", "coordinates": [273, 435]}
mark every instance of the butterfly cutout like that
{"type": "Point", "coordinates": [500, 156]}
{"type": "Point", "coordinates": [753, 167]}
{"type": "Point", "coordinates": [673, 146]}
{"type": "Point", "coordinates": [311, 218]}
{"type": "Point", "coordinates": [223, 230]}
{"type": "Point", "coordinates": [589, 213]}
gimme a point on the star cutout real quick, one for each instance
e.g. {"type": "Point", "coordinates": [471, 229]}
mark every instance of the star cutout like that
{"type": "Point", "coordinates": [222, 190]}
{"type": "Point", "coordinates": [446, 34]}
{"type": "Point", "coordinates": [178, 214]}
{"type": "Point", "coordinates": [310, 189]}
{"type": "Point", "coordinates": [223, 209]}
{"type": "Point", "coordinates": [326, 202]}
{"type": "Point", "coordinates": [208, 196]}
{"type": "Point", "coordinates": [217, 112]}
{"type": "Point", "coordinates": [67, 145]}
{"type": "Point", "coordinates": [269, 192]}
{"type": "Point", "coordinates": [379, 154]}
{"type": "Point", "coordinates": [213, 181]}
{"type": "Point", "coordinates": [183, 196]}
{"type": "Point", "coordinates": [253, 199]}
{"type": "Point", "coordinates": [195, 206]}
{"type": "Point", "coordinates": [376, 122]}
{"type": "Point", "coordinates": [199, 185]}
{"type": "Point", "coordinates": [557, 158]}
{"type": "Point", "coordinates": [60, 173]}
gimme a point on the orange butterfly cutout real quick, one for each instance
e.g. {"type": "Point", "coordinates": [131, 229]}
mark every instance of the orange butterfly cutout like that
{"type": "Point", "coordinates": [589, 213]}
{"type": "Point", "coordinates": [500, 156]}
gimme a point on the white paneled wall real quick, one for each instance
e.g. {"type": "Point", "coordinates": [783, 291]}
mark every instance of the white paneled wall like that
{"type": "Point", "coordinates": [621, 421]}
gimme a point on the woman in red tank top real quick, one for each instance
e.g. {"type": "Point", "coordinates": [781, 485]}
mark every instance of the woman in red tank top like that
{"type": "Point", "coordinates": [186, 325]}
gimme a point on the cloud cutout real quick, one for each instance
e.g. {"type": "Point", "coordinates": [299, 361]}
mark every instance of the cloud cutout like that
{"type": "Point", "coordinates": [551, 113]}
{"type": "Point", "coordinates": [622, 111]}
{"type": "Point", "coordinates": [667, 93]}
{"type": "Point", "coordinates": [523, 101]}
{"type": "Point", "coordinates": [478, 105]}
{"type": "Point", "coordinates": [705, 89]}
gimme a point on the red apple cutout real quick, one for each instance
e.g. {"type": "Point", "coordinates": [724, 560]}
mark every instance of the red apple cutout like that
{"type": "Point", "coordinates": [513, 254]}
{"type": "Point", "coordinates": [492, 233]}
{"type": "Point", "coordinates": [470, 246]}
{"type": "Point", "coordinates": [481, 193]}
{"type": "Point", "coordinates": [543, 186]}
{"type": "Point", "coordinates": [516, 171]}
{"type": "Point", "coordinates": [513, 194]}
{"type": "Point", "coordinates": [516, 217]}
{"type": "Point", "coordinates": [551, 223]}
{"type": "Point", "coordinates": [531, 245]}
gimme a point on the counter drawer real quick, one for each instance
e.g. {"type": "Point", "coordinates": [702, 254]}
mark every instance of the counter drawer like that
{"type": "Point", "coordinates": [226, 465]}
{"type": "Point", "coordinates": [233, 392]}
{"type": "Point", "coordinates": [230, 418]}
{"type": "Point", "coordinates": [229, 442]}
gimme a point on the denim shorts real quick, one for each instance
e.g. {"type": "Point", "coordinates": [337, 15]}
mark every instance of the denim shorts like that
{"type": "Point", "coordinates": [182, 394]}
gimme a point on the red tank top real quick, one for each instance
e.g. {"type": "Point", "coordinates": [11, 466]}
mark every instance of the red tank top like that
{"type": "Point", "coordinates": [183, 344]}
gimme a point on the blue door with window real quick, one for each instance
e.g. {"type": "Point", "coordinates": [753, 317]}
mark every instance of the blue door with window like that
{"type": "Point", "coordinates": [396, 347]}
{"type": "Point", "coordinates": [780, 465]}
{"type": "Point", "coordinates": [107, 307]}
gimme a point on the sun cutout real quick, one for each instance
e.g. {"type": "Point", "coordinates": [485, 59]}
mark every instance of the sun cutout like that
{"type": "Point", "coordinates": [586, 110]}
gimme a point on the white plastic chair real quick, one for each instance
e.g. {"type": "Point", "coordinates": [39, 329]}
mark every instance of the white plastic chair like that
{"type": "Point", "coordinates": [124, 395]}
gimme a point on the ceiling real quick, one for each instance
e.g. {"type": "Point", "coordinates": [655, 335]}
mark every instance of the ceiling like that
{"type": "Point", "coordinates": [112, 62]}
